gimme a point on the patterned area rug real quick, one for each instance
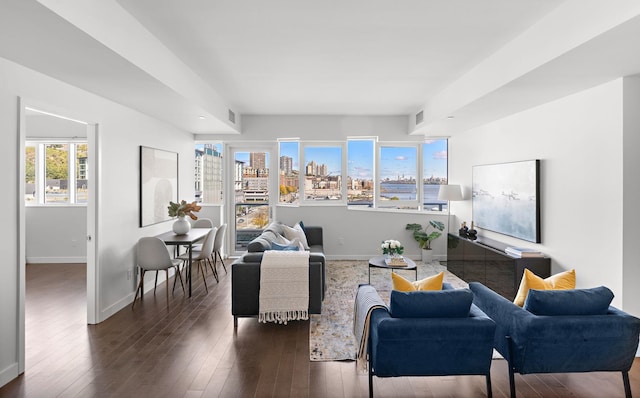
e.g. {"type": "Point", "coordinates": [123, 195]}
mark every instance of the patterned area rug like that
{"type": "Point", "coordinates": [331, 333]}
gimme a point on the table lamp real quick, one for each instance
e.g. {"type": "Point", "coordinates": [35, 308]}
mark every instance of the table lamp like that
{"type": "Point", "coordinates": [451, 192]}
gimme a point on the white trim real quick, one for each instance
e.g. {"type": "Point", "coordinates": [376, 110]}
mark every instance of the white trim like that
{"type": "Point", "coordinates": [56, 260]}
{"type": "Point", "coordinates": [9, 373]}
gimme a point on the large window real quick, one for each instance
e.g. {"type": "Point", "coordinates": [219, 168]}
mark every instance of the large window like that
{"type": "Point", "coordinates": [434, 173]}
{"type": "Point", "coordinates": [360, 165]}
{"type": "Point", "coordinates": [56, 173]}
{"type": "Point", "coordinates": [208, 173]}
{"type": "Point", "coordinates": [398, 176]}
{"type": "Point", "coordinates": [323, 172]}
{"type": "Point", "coordinates": [289, 172]}
{"type": "Point", "coordinates": [361, 172]}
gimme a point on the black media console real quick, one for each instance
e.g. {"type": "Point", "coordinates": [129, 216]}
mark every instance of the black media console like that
{"type": "Point", "coordinates": [484, 260]}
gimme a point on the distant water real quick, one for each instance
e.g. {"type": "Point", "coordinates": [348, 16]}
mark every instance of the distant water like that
{"type": "Point", "coordinates": [408, 192]}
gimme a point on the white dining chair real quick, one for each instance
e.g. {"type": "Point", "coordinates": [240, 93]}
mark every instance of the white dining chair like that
{"type": "Point", "coordinates": [201, 257]}
{"type": "Point", "coordinates": [152, 255]}
{"type": "Point", "coordinates": [217, 247]}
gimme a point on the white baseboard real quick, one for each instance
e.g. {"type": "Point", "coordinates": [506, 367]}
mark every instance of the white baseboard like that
{"type": "Point", "coordinates": [9, 373]}
{"type": "Point", "coordinates": [56, 260]}
{"type": "Point", "coordinates": [117, 306]}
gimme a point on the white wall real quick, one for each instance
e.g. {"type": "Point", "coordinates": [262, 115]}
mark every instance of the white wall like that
{"type": "Point", "coordinates": [579, 139]}
{"type": "Point", "coordinates": [631, 195]}
{"type": "Point", "coordinates": [122, 131]}
{"type": "Point", "coordinates": [56, 234]}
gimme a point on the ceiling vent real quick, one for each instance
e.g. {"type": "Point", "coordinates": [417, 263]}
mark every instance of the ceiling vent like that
{"type": "Point", "coordinates": [419, 117]}
{"type": "Point", "coordinates": [232, 117]}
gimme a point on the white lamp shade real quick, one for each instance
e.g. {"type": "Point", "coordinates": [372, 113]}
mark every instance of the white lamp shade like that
{"type": "Point", "coordinates": [450, 192]}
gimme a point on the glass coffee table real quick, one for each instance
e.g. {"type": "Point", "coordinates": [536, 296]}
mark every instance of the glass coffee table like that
{"type": "Point", "coordinates": [378, 262]}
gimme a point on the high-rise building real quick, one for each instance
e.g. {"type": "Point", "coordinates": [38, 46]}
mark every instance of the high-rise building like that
{"type": "Point", "coordinates": [208, 174]}
{"type": "Point", "coordinates": [286, 164]}
{"type": "Point", "coordinates": [258, 160]}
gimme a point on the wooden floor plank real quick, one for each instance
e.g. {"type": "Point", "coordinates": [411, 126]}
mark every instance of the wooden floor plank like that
{"type": "Point", "coordinates": [191, 349]}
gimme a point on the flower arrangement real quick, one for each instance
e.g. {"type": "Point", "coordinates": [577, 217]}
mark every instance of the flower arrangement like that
{"type": "Point", "coordinates": [183, 209]}
{"type": "Point", "coordinates": [392, 247]}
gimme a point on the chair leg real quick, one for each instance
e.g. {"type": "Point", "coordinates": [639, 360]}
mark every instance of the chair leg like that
{"type": "Point", "coordinates": [370, 381]}
{"type": "Point", "coordinates": [155, 285]}
{"type": "Point", "coordinates": [138, 289]}
{"type": "Point", "coordinates": [627, 386]}
{"type": "Point", "coordinates": [222, 261]}
{"type": "Point", "coordinates": [202, 273]}
{"type": "Point", "coordinates": [213, 269]}
{"type": "Point", "coordinates": [489, 393]}
{"type": "Point", "coordinates": [179, 275]}
{"type": "Point", "coordinates": [166, 282]}
{"type": "Point", "coordinates": [512, 380]}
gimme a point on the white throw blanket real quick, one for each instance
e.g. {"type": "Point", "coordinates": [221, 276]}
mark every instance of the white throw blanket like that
{"type": "Point", "coordinates": [284, 286]}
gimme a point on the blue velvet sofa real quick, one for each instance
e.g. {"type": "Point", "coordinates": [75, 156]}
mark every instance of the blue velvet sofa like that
{"type": "Point", "coordinates": [430, 333]}
{"type": "Point", "coordinates": [561, 331]}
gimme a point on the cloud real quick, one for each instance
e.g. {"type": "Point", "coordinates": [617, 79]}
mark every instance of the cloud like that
{"type": "Point", "coordinates": [440, 155]}
{"type": "Point", "coordinates": [401, 158]}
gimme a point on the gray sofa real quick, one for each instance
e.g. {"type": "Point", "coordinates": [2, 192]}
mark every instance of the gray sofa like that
{"type": "Point", "coordinates": [245, 272]}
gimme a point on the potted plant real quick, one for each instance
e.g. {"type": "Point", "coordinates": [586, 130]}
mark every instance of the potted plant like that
{"type": "Point", "coordinates": [181, 210]}
{"type": "Point", "coordinates": [425, 235]}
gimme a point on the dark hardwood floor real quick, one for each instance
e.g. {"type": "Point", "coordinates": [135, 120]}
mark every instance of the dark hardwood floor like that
{"type": "Point", "coordinates": [190, 349]}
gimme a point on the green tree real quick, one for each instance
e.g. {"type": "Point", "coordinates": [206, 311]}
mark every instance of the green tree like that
{"type": "Point", "coordinates": [30, 166]}
{"type": "Point", "coordinates": [57, 162]}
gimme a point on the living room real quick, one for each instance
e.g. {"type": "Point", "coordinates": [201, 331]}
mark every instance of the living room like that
{"type": "Point", "coordinates": [585, 135]}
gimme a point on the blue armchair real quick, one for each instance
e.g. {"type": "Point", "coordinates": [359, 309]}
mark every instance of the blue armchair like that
{"type": "Point", "coordinates": [430, 333]}
{"type": "Point", "coordinates": [561, 331]}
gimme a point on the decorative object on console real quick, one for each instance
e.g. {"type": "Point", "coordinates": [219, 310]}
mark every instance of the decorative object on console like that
{"type": "Point", "coordinates": [472, 233]}
{"type": "Point", "coordinates": [464, 230]}
{"type": "Point", "coordinates": [523, 252]}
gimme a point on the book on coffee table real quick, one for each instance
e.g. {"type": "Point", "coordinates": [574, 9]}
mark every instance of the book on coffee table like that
{"type": "Point", "coordinates": [395, 262]}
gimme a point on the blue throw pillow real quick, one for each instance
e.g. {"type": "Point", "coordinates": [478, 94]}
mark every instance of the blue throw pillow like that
{"type": "Point", "coordinates": [279, 247]}
{"type": "Point", "coordinates": [454, 303]}
{"type": "Point", "coordinates": [594, 301]}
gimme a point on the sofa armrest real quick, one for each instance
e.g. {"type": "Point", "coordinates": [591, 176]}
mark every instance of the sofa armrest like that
{"type": "Point", "coordinates": [314, 235]}
{"type": "Point", "coordinates": [557, 344]}
{"type": "Point", "coordinates": [501, 310]}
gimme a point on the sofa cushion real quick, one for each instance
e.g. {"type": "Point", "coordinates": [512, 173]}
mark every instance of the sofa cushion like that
{"type": "Point", "coordinates": [594, 301]}
{"type": "Point", "coordinates": [296, 232]}
{"type": "Point", "coordinates": [287, 247]}
{"type": "Point", "coordinates": [454, 303]}
{"type": "Point", "coordinates": [404, 285]}
{"type": "Point", "coordinates": [560, 281]}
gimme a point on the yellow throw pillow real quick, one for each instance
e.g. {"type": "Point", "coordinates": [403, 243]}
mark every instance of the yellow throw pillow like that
{"type": "Point", "coordinates": [430, 283]}
{"type": "Point", "coordinates": [561, 281]}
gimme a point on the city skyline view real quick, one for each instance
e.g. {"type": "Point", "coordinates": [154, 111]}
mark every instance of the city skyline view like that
{"type": "Point", "coordinates": [395, 161]}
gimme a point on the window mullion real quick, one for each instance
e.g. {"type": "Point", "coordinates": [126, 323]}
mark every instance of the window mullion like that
{"type": "Point", "coordinates": [71, 174]}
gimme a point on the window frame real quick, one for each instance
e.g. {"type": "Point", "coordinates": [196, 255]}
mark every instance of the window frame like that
{"type": "Point", "coordinates": [400, 205]}
{"type": "Point", "coordinates": [343, 160]}
{"type": "Point", "coordinates": [40, 179]}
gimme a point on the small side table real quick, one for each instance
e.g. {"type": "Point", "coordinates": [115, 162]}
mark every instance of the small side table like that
{"type": "Point", "coordinates": [378, 262]}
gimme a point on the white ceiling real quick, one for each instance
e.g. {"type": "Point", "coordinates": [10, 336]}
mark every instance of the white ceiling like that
{"type": "Point", "coordinates": [336, 56]}
{"type": "Point", "coordinates": [178, 60]}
